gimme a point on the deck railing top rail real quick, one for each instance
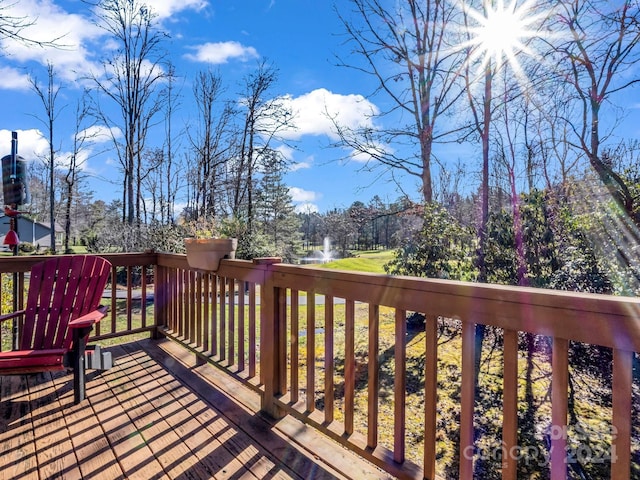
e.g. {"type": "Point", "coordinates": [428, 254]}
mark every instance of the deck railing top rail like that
{"type": "Point", "coordinates": [606, 320]}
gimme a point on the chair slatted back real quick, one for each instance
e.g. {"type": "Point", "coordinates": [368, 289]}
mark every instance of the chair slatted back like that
{"type": "Point", "coordinates": [61, 289]}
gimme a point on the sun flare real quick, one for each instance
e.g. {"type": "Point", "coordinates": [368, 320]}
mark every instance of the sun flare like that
{"type": "Point", "coordinates": [500, 33]}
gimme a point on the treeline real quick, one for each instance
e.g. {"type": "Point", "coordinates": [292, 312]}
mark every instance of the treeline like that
{"type": "Point", "coordinates": [223, 172]}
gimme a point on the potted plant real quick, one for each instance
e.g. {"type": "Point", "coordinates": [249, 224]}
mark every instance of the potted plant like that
{"type": "Point", "coordinates": [205, 249]}
{"type": "Point", "coordinates": [206, 253]}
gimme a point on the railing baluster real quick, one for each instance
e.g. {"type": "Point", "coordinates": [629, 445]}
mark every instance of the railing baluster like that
{"type": "Point", "coordinates": [241, 325]}
{"type": "Point", "coordinates": [620, 452]}
{"type": "Point", "coordinates": [191, 306]}
{"type": "Point", "coordinates": [198, 309]}
{"type": "Point", "coordinates": [400, 386]}
{"type": "Point", "coordinates": [163, 297]}
{"type": "Point", "coordinates": [510, 405]}
{"type": "Point", "coordinates": [430, 395]}
{"type": "Point", "coordinates": [177, 300]}
{"type": "Point", "coordinates": [294, 346]}
{"type": "Point", "coordinates": [374, 379]}
{"type": "Point", "coordinates": [559, 408]}
{"type": "Point", "coordinates": [311, 351]}
{"type": "Point", "coordinates": [114, 304]}
{"type": "Point", "coordinates": [129, 298]}
{"type": "Point", "coordinates": [328, 359]}
{"type": "Point", "coordinates": [223, 318]}
{"type": "Point", "coordinates": [161, 284]}
{"type": "Point", "coordinates": [349, 365]}
{"type": "Point", "coordinates": [214, 314]}
{"type": "Point", "coordinates": [206, 313]}
{"type": "Point", "coordinates": [180, 313]}
{"type": "Point", "coordinates": [252, 330]}
{"type": "Point", "coordinates": [143, 297]}
{"type": "Point", "coordinates": [467, 399]}
{"type": "Point", "coordinates": [232, 321]}
{"type": "Point", "coordinates": [281, 339]}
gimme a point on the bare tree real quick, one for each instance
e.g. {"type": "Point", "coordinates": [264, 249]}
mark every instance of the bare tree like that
{"type": "Point", "coordinates": [512, 149]}
{"type": "Point", "coordinates": [211, 143]}
{"type": "Point", "coordinates": [407, 52]}
{"type": "Point", "coordinates": [131, 78]}
{"type": "Point", "coordinates": [480, 101]}
{"type": "Point", "coordinates": [602, 47]}
{"type": "Point", "coordinates": [559, 159]}
{"type": "Point", "coordinates": [49, 96]}
{"type": "Point", "coordinates": [491, 58]}
{"type": "Point", "coordinates": [83, 134]}
{"type": "Point", "coordinates": [152, 182]}
{"type": "Point", "coordinates": [488, 71]}
{"type": "Point", "coordinates": [263, 119]}
{"type": "Point", "coordinates": [170, 173]}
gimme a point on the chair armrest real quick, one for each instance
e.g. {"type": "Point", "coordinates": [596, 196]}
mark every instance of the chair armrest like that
{"type": "Point", "coordinates": [9, 316]}
{"type": "Point", "coordinates": [90, 318]}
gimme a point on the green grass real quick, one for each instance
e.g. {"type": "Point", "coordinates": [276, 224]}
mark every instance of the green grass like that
{"type": "Point", "coordinates": [367, 261]}
{"type": "Point", "coordinates": [79, 249]}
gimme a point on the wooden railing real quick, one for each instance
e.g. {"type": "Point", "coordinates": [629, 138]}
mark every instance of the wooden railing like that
{"type": "Point", "coordinates": [216, 315]}
{"type": "Point", "coordinates": [129, 294]}
{"type": "Point", "coordinates": [297, 305]}
{"type": "Point", "coordinates": [324, 346]}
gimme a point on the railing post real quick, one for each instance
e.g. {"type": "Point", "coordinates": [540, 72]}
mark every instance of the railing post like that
{"type": "Point", "coordinates": [272, 339]}
{"type": "Point", "coordinates": [160, 286]}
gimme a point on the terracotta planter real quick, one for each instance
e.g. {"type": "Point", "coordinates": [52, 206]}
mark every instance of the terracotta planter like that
{"type": "Point", "coordinates": [206, 253]}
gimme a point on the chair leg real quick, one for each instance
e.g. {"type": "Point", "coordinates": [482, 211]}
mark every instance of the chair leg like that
{"type": "Point", "coordinates": [78, 363]}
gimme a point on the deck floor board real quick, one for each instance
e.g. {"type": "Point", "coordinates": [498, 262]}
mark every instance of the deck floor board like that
{"type": "Point", "coordinates": [55, 452]}
{"type": "Point", "coordinates": [17, 445]}
{"type": "Point", "coordinates": [153, 415]}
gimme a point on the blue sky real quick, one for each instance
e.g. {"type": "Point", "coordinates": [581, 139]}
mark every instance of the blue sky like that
{"type": "Point", "coordinates": [300, 38]}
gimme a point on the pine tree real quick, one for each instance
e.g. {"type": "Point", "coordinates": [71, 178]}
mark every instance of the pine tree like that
{"type": "Point", "coordinates": [275, 210]}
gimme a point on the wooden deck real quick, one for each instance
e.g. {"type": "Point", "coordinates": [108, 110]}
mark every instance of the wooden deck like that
{"type": "Point", "coordinates": [157, 415]}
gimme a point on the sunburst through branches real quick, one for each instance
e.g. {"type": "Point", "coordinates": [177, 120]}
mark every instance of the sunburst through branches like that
{"type": "Point", "coordinates": [500, 33]}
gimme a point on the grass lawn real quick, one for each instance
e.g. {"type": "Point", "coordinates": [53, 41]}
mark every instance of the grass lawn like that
{"type": "Point", "coordinates": [366, 261]}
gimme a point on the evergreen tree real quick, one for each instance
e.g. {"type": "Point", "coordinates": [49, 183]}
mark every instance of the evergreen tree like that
{"type": "Point", "coordinates": [275, 209]}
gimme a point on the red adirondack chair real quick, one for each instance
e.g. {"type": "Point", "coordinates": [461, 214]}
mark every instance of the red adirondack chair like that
{"type": "Point", "coordinates": [63, 304]}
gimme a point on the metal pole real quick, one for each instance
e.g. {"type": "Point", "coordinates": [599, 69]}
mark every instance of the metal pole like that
{"type": "Point", "coordinates": [13, 225]}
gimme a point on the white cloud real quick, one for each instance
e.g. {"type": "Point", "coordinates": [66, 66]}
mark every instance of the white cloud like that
{"type": "Point", "coordinates": [63, 159]}
{"type": "Point", "coordinates": [376, 151]}
{"type": "Point", "coordinates": [286, 151]}
{"type": "Point", "coordinates": [316, 112]}
{"type": "Point", "coordinates": [306, 208]}
{"type": "Point", "coordinates": [31, 144]}
{"type": "Point", "coordinates": [13, 79]}
{"type": "Point", "coordinates": [75, 36]}
{"type": "Point", "coordinates": [221, 52]}
{"type": "Point", "coordinates": [301, 195]}
{"type": "Point", "coordinates": [100, 134]}
{"type": "Point", "coordinates": [300, 166]}
{"type": "Point", "coordinates": [166, 8]}
{"type": "Point", "coordinates": [51, 23]}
